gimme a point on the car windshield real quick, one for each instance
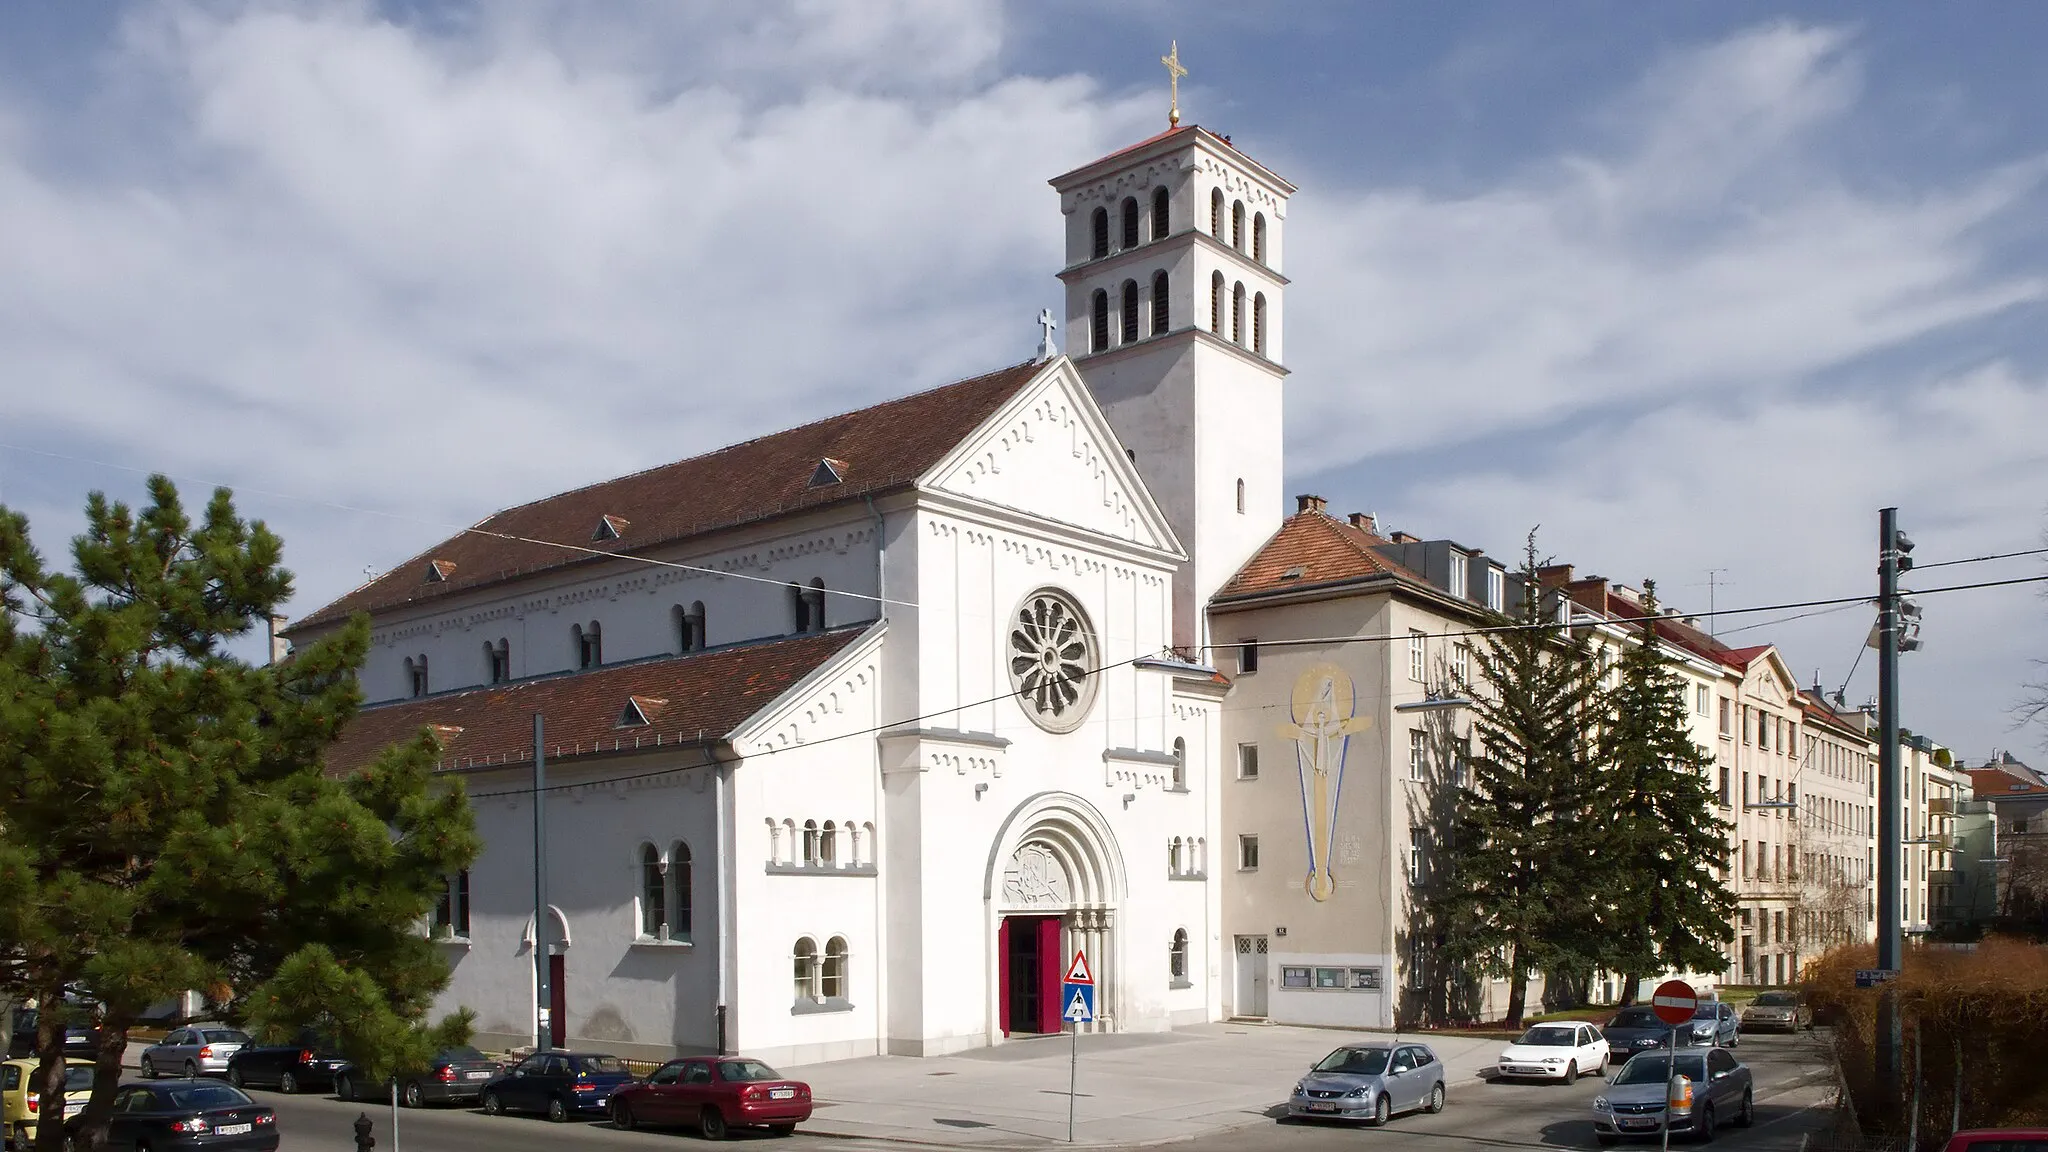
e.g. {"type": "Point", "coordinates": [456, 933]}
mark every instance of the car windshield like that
{"type": "Point", "coordinates": [1547, 1036]}
{"type": "Point", "coordinates": [602, 1066]}
{"type": "Point", "coordinates": [1635, 1018]}
{"type": "Point", "coordinates": [1657, 1069]}
{"type": "Point", "coordinates": [459, 1054]}
{"type": "Point", "coordinates": [226, 1036]}
{"type": "Point", "coordinates": [1778, 1000]}
{"type": "Point", "coordinates": [206, 1096]}
{"type": "Point", "coordinates": [1355, 1061]}
{"type": "Point", "coordinates": [748, 1070]}
{"type": "Point", "coordinates": [1706, 1011]}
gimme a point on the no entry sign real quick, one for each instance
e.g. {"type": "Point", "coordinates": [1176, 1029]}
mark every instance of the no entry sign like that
{"type": "Point", "coordinates": [1674, 1002]}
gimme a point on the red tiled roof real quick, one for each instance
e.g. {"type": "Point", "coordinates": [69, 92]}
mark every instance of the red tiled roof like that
{"type": "Point", "coordinates": [1988, 782]}
{"type": "Point", "coordinates": [700, 695]}
{"type": "Point", "coordinates": [1324, 548]}
{"type": "Point", "coordinates": [1743, 657]}
{"type": "Point", "coordinates": [874, 450]}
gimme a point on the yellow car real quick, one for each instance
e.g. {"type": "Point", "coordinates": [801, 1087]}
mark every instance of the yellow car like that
{"type": "Point", "coordinates": [18, 1102]}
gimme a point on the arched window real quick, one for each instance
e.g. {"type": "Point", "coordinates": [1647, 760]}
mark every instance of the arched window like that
{"type": "Point", "coordinates": [1180, 762]}
{"type": "Point", "coordinates": [1216, 214]}
{"type": "Point", "coordinates": [1098, 322]}
{"type": "Point", "coordinates": [689, 626]}
{"type": "Point", "coordinates": [774, 841]}
{"type": "Point", "coordinates": [680, 879]}
{"type": "Point", "coordinates": [653, 894]}
{"type": "Point", "coordinates": [834, 982]}
{"type": "Point", "coordinates": [1130, 316]}
{"type": "Point", "coordinates": [1240, 496]}
{"type": "Point", "coordinates": [416, 674]}
{"type": "Point", "coordinates": [789, 829]}
{"type": "Point", "coordinates": [498, 657]}
{"type": "Point", "coordinates": [1201, 855]}
{"type": "Point", "coordinates": [1259, 237]}
{"type": "Point", "coordinates": [805, 956]}
{"type": "Point", "coordinates": [1130, 210]}
{"type": "Point", "coordinates": [807, 603]}
{"type": "Point", "coordinates": [589, 644]}
{"type": "Point", "coordinates": [828, 844]}
{"type": "Point", "coordinates": [1161, 215]}
{"type": "Point", "coordinates": [1100, 248]}
{"type": "Point", "coordinates": [1237, 225]}
{"type": "Point", "coordinates": [1216, 303]}
{"type": "Point", "coordinates": [1160, 288]}
{"type": "Point", "coordinates": [1237, 313]}
{"type": "Point", "coordinates": [1177, 956]}
{"type": "Point", "coordinates": [811, 843]}
{"type": "Point", "coordinates": [1173, 858]}
{"type": "Point", "coordinates": [1259, 323]}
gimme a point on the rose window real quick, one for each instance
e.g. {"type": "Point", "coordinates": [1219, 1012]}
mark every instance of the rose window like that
{"type": "Point", "coordinates": [1053, 660]}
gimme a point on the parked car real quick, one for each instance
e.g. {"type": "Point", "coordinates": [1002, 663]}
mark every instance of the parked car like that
{"type": "Point", "coordinates": [453, 1076]}
{"type": "Point", "coordinates": [79, 1040]}
{"type": "Point", "coordinates": [1633, 1103]}
{"type": "Point", "coordinates": [197, 1050]}
{"type": "Point", "coordinates": [1558, 1051]}
{"type": "Point", "coordinates": [1999, 1140]}
{"type": "Point", "coordinates": [189, 1114]}
{"type": "Point", "coordinates": [19, 1106]}
{"type": "Point", "coordinates": [713, 1094]}
{"type": "Point", "coordinates": [310, 1061]}
{"type": "Point", "coordinates": [1635, 1029]}
{"type": "Point", "coordinates": [560, 1084]}
{"type": "Point", "coordinates": [1786, 1010]}
{"type": "Point", "coordinates": [1371, 1082]}
{"type": "Point", "coordinates": [1713, 1023]}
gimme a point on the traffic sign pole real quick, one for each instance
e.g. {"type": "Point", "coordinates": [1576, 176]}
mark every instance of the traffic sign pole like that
{"type": "Point", "coordinates": [1674, 1002]}
{"type": "Point", "coordinates": [1077, 992]}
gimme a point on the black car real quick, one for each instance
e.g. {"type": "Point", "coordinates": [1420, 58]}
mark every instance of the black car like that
{"type": "Point", "coordinates": [1635, 1029]}
{"type": "Point", "coordinates": [454, 1075]}
{"type": "Point", "coordinates": [175, 1115]}
{"type": "Point", "coordinates": [310, 1061]}
{"type": "Point", "coordinates": [560, 1084]}
{"type": "Point", "coordinates": [78, 1040]}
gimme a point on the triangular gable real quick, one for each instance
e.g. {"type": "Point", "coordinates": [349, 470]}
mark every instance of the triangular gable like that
{"type": "Point", "coordinates": [1050, 453]}
{"type": "Point", "coordinates": [836, 699]}
{"type": "Point", "coordinates": [1774, 680]}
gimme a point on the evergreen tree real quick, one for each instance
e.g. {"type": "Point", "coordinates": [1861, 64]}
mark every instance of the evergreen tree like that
{"type": "Point", "coordinates": [1666, 846]}
{"type": "Point", "coordinates": [165, 822]}
{"type": "Point", "coordinates": [1533, 861]}
{"type": "Point", "coordinates": [1446, 936]}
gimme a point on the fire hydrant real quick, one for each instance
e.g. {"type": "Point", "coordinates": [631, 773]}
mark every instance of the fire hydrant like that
{"type": "Point", "coordinates": [364, 1141]}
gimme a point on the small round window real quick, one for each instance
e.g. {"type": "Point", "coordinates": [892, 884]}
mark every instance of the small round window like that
{"type": "Point", "coordinates": [1053, 660]}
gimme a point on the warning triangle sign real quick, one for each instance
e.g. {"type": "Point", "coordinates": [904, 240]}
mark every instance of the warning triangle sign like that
{"type": "Point", "coordinates": [1078, 1010]}
{"type": "Point", "coordinates": [1077, 972]}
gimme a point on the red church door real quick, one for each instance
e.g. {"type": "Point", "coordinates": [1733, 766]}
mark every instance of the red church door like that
{"type": "Point", "coordinates": [558, 999]}
{"type": "Point", "coordinates": [1028, 974]}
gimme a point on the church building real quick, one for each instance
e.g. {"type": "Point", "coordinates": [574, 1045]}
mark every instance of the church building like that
{"type": "Point", "coordinates": [854, 734]}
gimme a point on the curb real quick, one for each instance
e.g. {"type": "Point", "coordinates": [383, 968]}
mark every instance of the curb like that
{"type": "Point", "coordinates": [1036, 1144]}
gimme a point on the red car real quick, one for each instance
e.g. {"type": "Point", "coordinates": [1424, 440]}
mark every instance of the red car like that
{"type": "Point", "coordinates": [713, 1094]}
{"type": "Point", "coordinates": [2000, 1140]}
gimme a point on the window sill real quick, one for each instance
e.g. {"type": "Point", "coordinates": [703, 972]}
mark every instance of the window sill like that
{"type": "Point", "coordinates": [1251, 779]}
{"type": "Point", "coordinates": [651, 942]}
{"type": "Point", "coordinates": [461, 942]}
{"type": "Point", "coordinates": [1189, 875]}
{"type": "Point", "coordinates": [1178, 789]}
{"type": "Point", "coordinates": [775, 869]}
{"type": "Point", "coordinates": [1179, 985]}
{"type": "Point", "coordinates": [820, 1007]}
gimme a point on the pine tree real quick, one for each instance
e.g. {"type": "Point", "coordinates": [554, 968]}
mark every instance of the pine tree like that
{"type": "Point", "coordinates": [1446, 936]}
{"type": "Point", "coordinates": [1533, 860]}
{"type": "Point", "coordinates": [165, 822]}
{"type": "Point", "coordinates": [1666, 847]}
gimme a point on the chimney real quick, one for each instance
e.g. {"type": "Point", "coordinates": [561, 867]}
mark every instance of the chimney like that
{"type": "Point", "coordinates": [1366, 522]}
{"type": "Point", "coordinates": [279, 646]}
{"type": "Point", "coordinates": [1310, 504]}
{"type": "Point", "coordinates": [1404, 538]}
{"type": "Point", "coordinates": [1554, 575]}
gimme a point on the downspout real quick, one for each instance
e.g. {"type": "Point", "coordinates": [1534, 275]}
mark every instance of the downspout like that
{"type": "Point", "coordinates": [723, 770]}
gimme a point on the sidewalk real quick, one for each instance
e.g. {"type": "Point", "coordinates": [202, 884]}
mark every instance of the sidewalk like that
{"type": "Point", "coordinates": [1143, 1088]}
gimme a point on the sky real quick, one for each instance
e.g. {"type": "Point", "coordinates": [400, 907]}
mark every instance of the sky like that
{"type": "Point", "coordinates": [1691, 289]}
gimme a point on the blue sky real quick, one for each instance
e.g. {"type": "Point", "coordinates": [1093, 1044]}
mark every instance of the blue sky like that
{"type": "Point", "coordinates": [1692, 286]}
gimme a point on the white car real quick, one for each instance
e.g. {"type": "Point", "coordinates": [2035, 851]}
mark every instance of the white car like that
{"type": "Point", "coordinates": [1561, 1051]}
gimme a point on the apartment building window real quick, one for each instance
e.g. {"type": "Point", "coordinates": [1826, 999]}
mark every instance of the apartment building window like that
{"type": "Point", "coordinates": [1247, 657]}
{"type": "Point", "coordinates": [1496, 588]}
{"type": "Point", "coordinates": [1418, 663]}
{"type": "Point", "coordinates": [1745, 789]}
{"type": "Point", "coordinates": [1748, 724]}
{"type": "Point", "coordinates": [1460, 577]}
{"type": "Point", "coordinates": [1247, 761]}
{"type": "Point", "coordinates": [1727, 717]}
{"type": "Point", "coordinates": [1763, 732]}
{"type": "Point", "coordinates": [1724, 785]}
{"type": "Point", "coordinates": [1699, 700]}
{"type": "Point", "coordinates": [1248, 853]}
{"type": "Point", "coordinates": [1416, 841]}
{"type": "Point", "coordinates": [1461, 664]}
{"type": "Point", "coordinates": [1418, 754]}
{"type": "Point", "coordinates": [1745, 859]}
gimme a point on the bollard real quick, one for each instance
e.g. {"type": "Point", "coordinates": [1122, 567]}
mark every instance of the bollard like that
{"type": "Point", "coordinates": [364, 1141]}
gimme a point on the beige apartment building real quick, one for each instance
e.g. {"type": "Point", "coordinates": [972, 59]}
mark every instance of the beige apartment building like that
{"type": "Point", "coordinates": [1837, 827]}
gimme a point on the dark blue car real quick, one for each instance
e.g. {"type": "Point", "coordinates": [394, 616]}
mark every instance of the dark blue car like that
{"type": "Point", "coordinates": [560, 1085]}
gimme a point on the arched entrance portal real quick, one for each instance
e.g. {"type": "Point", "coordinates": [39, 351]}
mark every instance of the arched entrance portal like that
{"type": "Point", "coordinates": [1054, 883]}
{"type": "Point", "coordinates": [557, 1017]}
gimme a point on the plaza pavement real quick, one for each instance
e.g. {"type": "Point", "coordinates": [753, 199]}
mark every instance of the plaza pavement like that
{"type": "Point", "coordinates": [1134, 1088]}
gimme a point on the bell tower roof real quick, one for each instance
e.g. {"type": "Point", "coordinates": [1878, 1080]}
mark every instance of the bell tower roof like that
{"type": "Point", "coordinates": [1173, 138]}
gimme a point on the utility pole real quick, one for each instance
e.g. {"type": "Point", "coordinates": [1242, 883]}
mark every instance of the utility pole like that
{"type": "Point", "coordinates": [1893, 557]}
{"type": "Point", "coordinates": [543, 1024]}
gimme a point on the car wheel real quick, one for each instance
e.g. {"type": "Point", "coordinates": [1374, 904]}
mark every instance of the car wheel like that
{"type": "Point", "coordinates": [558, 1111]}
{"type": "Point", "coordinates": [782, 1129]}
{"type": "Point", "coordinates": [148, 1068]}
{"type": "Point", "coordinates": [1436, 1098]}
{"type": "Point", "coordinates": [1747, 1115]}
{"type": "Point", "coordinates": [344, 1087]}
{"type": "Point", "coordinates": [235, 1077]}
{"type": "Point", "coordinates": [1703, 1128]}
{"type": "Point", "coordinates": [711, 1123]}
{"type": "Point", "coordinates": [21, 1140]}
{"type": "Point", "coordinates": [1382, 1110]}
{"type": "Point", "coordinates": [288, 1083]}
{"type": "Point", "coordinates": [413, 1096]}
{"type": "Point", "coordinates": [622, 1116]}
{"type": "Point", "coordinates": [191, 1070]}
{"type": "Point", "coordinates": [492, 1105]}
{"type": "Point", "coordinates": [1571, 1073]}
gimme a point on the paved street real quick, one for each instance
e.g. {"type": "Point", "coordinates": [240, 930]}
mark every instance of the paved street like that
{"type": "Point", "coordinates": [1789, 1075]}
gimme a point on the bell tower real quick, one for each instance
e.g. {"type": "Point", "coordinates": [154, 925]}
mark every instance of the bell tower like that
{"type": "Point", "coordinates": [1175, 315]}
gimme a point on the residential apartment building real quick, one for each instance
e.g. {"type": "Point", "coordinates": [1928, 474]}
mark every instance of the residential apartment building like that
{"type": "Point", "coordinates": [1837, 826]}
{"type": "Point", "coordinates": [1931, 789]}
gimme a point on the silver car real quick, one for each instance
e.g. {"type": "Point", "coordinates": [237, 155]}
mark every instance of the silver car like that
{"type": "Point", "coordinates": [1633, 1103]}
{"type": "Point", "coordinates": [195, 1050]}
{"type": "Point", "coordinates": [1371, 1082]}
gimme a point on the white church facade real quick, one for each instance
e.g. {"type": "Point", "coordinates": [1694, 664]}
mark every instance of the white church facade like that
{"type": "Point", "coordinates": [856, 732]}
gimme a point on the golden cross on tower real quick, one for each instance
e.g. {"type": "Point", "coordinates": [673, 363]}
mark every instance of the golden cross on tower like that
{"type": "Point", "coordinates": [1173, 74]}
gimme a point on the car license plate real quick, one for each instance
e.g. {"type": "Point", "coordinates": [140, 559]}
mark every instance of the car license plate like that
{"type": "Point", "coordinates": [476, 1075]}
{"type": "Point", "coordinates": [234, 1129]}
{"type": "Point", "coordinates": [782, 1094]}
{"type": "Point", "coordinates": [1639, 1123]}
{"type": "Point", "coordinates": [1322, 1107]}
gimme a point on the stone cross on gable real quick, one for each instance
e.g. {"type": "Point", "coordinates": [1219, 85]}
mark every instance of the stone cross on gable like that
{"type": "Point", "coordinates": [1045, 349]}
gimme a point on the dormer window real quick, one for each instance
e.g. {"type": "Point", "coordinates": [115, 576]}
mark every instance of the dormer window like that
{"type": "Point", "coordinates": [1496, 588]}
{"type": "Point", "coordinates": [1460, 575]}
{"type": "Point", "coordinates": [589, 642]}
{"type": "Point", "coordinates": [439, 571]}
{"type": "Point", "coordinates": [827, 473]}
{"type": "Point", "coordinates": [609, 528]}
{"type": "Point", "coordinates": [639, 711]}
